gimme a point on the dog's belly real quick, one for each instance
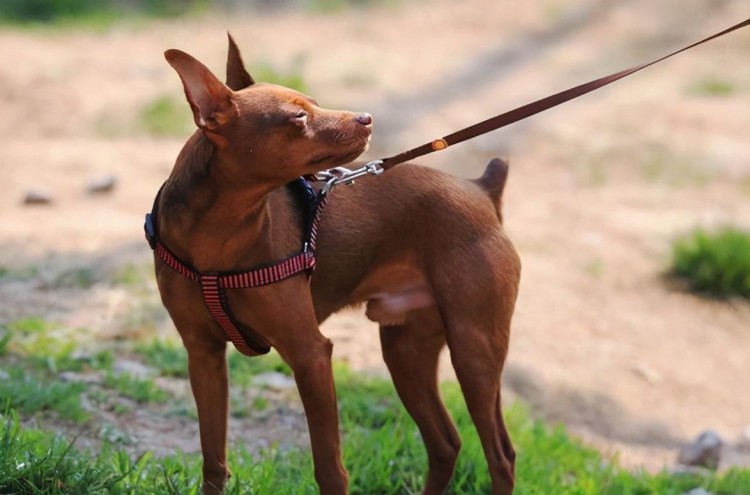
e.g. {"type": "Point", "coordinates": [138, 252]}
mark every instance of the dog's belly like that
{"type": "Point", "coordinates": [392, 308]}
{"type": "Point", "coordinates": [393, 292]}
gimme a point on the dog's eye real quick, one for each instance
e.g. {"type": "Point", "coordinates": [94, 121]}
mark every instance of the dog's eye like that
{"type": "Point", "coordinates": [300, 118]}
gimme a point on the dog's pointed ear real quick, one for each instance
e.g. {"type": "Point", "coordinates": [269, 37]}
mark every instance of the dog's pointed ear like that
{"type": "Point", "coordinates": [237, 76]}
{"type": "Point", "coordinates": [210, 99]}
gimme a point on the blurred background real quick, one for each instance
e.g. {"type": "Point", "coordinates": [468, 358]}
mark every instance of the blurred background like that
{"type": "Point", "coordinates": [603, 191]}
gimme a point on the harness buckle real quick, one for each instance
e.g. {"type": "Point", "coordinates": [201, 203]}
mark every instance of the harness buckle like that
{"type": "Point", "coordinates": [148, 226]}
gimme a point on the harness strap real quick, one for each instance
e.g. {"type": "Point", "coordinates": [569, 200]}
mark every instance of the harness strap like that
{"type": "Point", "coordinates": [535, 107]}
{"type": "Point", "coordinates": [257, 277]}
{"type": "Point", "coordinates": [214, 284]}
{"type": "Point", "coordinates": [173, 261]}
{"type": "Point", "coordinates": [215, 299]}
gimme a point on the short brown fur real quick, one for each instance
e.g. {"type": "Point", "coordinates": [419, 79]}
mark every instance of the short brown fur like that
{"type": "Point", "coordinates": [426, 253]}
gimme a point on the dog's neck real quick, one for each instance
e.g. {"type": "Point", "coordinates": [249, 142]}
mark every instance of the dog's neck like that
{"type": "Point", "coordinates": [203, 200]}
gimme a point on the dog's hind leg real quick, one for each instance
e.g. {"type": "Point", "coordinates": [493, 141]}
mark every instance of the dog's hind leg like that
{"type": "Point", "coordinates": [478, 372]}
{"type": "Point", "coordinates": [478, 350]}
{"type": "Point", "coordinates": [477, 310]}
{"type": "Point", "coordinates": [411, 352]}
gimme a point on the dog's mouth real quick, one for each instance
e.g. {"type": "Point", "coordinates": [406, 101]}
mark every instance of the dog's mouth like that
{"type": "Point", "coordinates": [336, 159]}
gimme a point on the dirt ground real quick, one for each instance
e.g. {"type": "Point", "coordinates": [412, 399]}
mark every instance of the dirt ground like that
{"type": "Point", "coordinates": [598, 188]}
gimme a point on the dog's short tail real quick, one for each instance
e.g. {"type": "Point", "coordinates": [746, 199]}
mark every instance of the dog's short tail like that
{"type": "Point", "coordinates": [493, 182]}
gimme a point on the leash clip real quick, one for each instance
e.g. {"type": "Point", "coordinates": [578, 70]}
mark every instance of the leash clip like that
{"type": "Point", "coordinates": [341, 175]}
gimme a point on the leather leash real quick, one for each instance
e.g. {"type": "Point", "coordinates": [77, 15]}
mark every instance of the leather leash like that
{"type": "Point", "coordinates": [530, 109]}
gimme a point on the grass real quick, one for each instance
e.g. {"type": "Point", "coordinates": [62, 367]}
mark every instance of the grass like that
{"type": "Point", "coordinates": [382, 450]}
{"type": "Point", "coordinates": [142, 320]}
{"type": "Point", "coordinates": [382, 447]}
{"type": "Point", "coordinates": [712, 87]}
{"type": "Point", "coordinates": [18, 273]}
{"type": "Point", "coordinates": [165, 116]}
{"type": "Point", "coordinates": [242, 370]}
{"type": "Point", "coordinates": [594, 267]}
{"type": "Point", "coordinates": [141, 390]}
{"type": "Point", "coordinates": [168, 356]}
{"type": "Point", "coordinates": [714, 263]}
{"type": "Point", "coordinates": [82, 277]}
{"type": "Point", "coordinates": [744, 184]}
{"type": "Point", "coordinates": [104, 12]}
{"type": "Point", "coordinates": [92, 12]}
{"type": "Point", "coordinates": [331, 6]}
{"type": "Point", "coordinates": [51, 347]}
{"type": "Point", "coordinates": [291, 77]}
{"type": "Point", "coordinates": [33, 462]}
{"type": "Point", "coordinates": [34, 352]}
{"type": "Point", "coordinates": [592, 171]}
{"type": "Point", "coordinates": [30, 393]}
{"type": "Point", "coordinates": [132, 275]}
{"type": "Point", "coordinates": [4, 341]}
{"type": "Point", "coordinates": [660, 164]}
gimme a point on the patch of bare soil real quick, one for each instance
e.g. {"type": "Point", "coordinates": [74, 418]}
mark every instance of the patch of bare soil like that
{"type": "Point", "coordinates": [598, 188]}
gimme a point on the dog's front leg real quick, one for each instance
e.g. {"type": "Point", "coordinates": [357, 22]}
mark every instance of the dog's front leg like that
{"type": "Point", "coordinates": [308, 353]}
{"type": "Point", "coordinates": [207, 367]}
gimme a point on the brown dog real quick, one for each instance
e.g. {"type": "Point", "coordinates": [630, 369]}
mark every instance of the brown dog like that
{"type": "Point", "coordinates": [425, 251]}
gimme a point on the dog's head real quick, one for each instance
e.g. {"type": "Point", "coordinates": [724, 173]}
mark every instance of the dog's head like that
{"type": "Point", "coordinates": [273, 132]}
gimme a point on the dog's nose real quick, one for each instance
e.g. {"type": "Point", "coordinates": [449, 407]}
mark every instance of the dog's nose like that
{"type": "Point", "coordinates": [364, 118]}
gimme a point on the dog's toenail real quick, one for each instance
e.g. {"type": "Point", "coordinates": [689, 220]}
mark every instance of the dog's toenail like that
{"type": "Point", "coordinates": [364, 118]}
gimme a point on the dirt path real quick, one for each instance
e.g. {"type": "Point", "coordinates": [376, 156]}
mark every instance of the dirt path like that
{"type": "Point", "coordinates": [598, 188]}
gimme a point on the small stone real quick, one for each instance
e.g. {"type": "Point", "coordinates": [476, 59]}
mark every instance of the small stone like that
{"type": "Point", "coordinates": [274, 381]}
{"type": "Point", "coordinates": [101, 185]}
{"type": "Point", "coordinates": [705, 451]}
{"type": "Point", "coordinates": [87, 378]}
{"type": "Point", "coordinates": [134, 368]}
{"type": "Point", "coordinates": [37, 196]}
{"type": "Point", "coordinates": [112, 434]}
{"type": "Point", "coordinates": [682, 470]}
{"type": "Point", "coordinates": [698, 491]}
{"type": "Point", "coordinates": [646, 372]}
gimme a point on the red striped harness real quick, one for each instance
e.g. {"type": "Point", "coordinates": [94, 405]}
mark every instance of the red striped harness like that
{"type": "Point", "coordinates": [214, 284]}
